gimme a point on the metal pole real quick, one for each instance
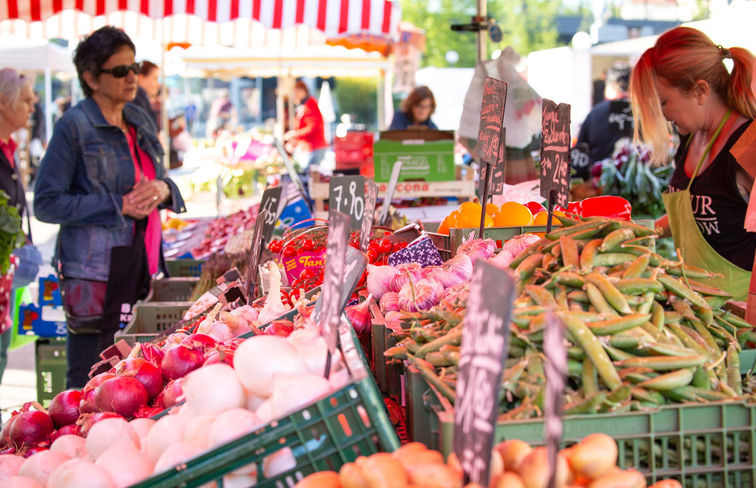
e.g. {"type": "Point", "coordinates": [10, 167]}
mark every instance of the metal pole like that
{"type": "Point", "coordinates": [481, 34]}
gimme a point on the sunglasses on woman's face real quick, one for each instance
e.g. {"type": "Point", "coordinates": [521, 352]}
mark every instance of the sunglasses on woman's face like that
{"type": "Point", "coordinates": [122, 71]}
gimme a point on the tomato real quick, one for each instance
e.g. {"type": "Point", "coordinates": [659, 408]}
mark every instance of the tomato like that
{"type": "Point", "coordinates": [372, 255]}
{"type": "Point", "coordinates": [385, 245]}
{"type": "Point", "coordinates": [399, 246]}
{"type": "Point", "coordinates": [607, 206]}
{"type": "Point", "coordinates": [374, 246]}
{"type": "Point", "coordinates": [289, 251]}
{"type": "Point", "coordinates": [275, 246]}
{"type": "Point", "coordinates": [308, 245]}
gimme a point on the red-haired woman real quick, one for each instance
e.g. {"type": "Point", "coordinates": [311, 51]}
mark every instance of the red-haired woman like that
{"type": "Point", "coordinates": [684, 79]}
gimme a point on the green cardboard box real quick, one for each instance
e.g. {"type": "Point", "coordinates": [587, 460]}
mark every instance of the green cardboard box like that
{"type": "Point", "coordinates": [422, 160]}
{"type": "Point", "coordinates": [51, 368]}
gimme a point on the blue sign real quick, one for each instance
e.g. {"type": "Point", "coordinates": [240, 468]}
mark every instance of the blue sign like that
{"type": "Point", "coordinates": [293, 213]}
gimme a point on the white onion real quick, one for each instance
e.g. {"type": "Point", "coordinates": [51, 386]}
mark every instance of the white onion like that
{"type": "Point", "coordinates": [9, 465]}
{"type": "Point", "coordinates": [339, 379]}
{"type": "Point", "coordinates": [166, 431]}
{"type": "Point", "coordinates": [197, 430]}
{"type": "Point", "coordinates": [125, 464]}
{"type": "Point", "coordinates": [232, 424]}
{"type": "Point", "coordinates": [213, 389]}
{"type": "Point", "coordinates": [40, 466]}
{"type": "Point", "coordinates": [238, 481]}
{"type": "Point", "coordinates": [265, 411]}
{"type": "Point", "coordinates": [292, 392]}
{"type": "Point", "coordinates": [142, 427]}
{"type": "Point", "coordinates": [73, 445]}
{"type": "Point", "coordinates": [80, 473]}
{"type": "Point", "coordinates": [279, 462]}
{"type": "Point", "coordinates": [313, 350]}
{"type": "Point", "coordinates": [108, 433]}
{"type": "Point", "coordinates": [174, 454]}
{"type": "Point", "coordinates": [258, 358]}
{"type": "Point", "coordinates": [21, 482]}
{"type": "Point", "coordinates": [254, 402]}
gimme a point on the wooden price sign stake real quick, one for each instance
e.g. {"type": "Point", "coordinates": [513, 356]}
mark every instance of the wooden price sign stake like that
{"type": "Point", "coordinates": [347, 194]}
{"type": "Point", "coordinates": [555, 368]}
{"type": "Point", "coordinates": [328, 316]}
{"type": "Point", "coordinates": [489, 135]}
{"type": "Point", "coordinates": [289, 165]}
{"type": "Point", "coordinates": [485, 345]}
{"type": "Point", "coordinates": [396, 170]}
{"type": "Point", "coordinates": [555, 156]}
{"type": "Point", "coordinates": [371, 195]}
{"type": "Point", "coordinates": [254, 254]}
{"type": "Point", "coordinates": [271, 199]}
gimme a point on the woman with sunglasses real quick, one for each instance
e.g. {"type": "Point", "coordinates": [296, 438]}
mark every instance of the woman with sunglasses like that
{"type": "Point", "coordinates": [102, 179]}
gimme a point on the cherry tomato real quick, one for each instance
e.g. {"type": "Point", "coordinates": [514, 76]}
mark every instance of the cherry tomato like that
{"type": "Point", "coordinates": [372, 255]}
{"type": "Point", "coordinates": [385, 245]}
{"type": "Point", "coordinates": [375, 247]}
{"type": "Point", "coordinates": [308, 244]}
{"type": "Point", "coordinates": [289, 251]}
{"type": "Point", "coordinates": [275, 246]}
{"type": "Point", "coordinates": [399, 245]}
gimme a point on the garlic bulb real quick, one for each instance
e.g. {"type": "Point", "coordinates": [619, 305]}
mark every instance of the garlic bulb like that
{"type": "Point", "coordinates": [407, 272]}
{"type": "Point", "coordinates": [389, 302]}
{"type": "Point", "coordinates": [421, 295]}
{"type": "Point", "coordinates": [379, 279]}
{"type": "Point", "coordinates": [455, 271]}
{"type": "Point", "coordinates": [477, 248]}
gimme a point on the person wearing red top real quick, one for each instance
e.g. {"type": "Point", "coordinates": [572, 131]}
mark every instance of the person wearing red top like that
{"type": "Point", "coordinates": [16, 105]}
{"type": "Point", "coordinates": [309, 136]}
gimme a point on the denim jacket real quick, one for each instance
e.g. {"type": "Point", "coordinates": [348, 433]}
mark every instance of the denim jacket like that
{"type": "Point", "coordinates": [80, 184]}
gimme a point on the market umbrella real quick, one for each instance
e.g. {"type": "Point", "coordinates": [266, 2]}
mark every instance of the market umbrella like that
{"type": "Point", "coordinates": [325, 103]}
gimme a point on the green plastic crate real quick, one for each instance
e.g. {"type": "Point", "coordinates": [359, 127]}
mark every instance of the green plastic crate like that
{"type": "Point", "coordinates": [448, 245]}
{"type": "Point", "coordinates": [50, 362]}
{"type": "Point", "coordinates": [387, 376]}
{"type": "Point", "coordinates": [151, 319]}
{"type": "Point", "coordinates": [422, 425]}
{"type": "Point", "coordinates": [184, 268]}
{"type": "Point", "coordinates": [323, 436]}
{"type": "Point", "coordinates": [171, 289]}
{"type": "Point", "coordinates": [702, 445]}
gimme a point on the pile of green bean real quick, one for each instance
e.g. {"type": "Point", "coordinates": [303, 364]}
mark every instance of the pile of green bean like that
{"type": "Point", "coordinates": [642, 330]}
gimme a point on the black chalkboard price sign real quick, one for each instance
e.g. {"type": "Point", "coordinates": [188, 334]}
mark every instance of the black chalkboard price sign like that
{"type": "Point", "coordinates": [371, 195]}
{"type": "Point", "coordinates": [356, 262]}
{"type": "Point", "coordinates": [396, 171]}
{"type": "Point", "coordinates": [254, 254]}
{"type": "Point", "coordinates": [555, 154]}
{"type": "Point", "coordinates": [271, 199]}
{"type": "Point", "coordinates": [497, 178]}
{"type": "Point", "coordinates": [347, 195]}
{"type": "Point", "coordinates": [490, 136]}
{"type": "Point", "coordinates": [485, 345]}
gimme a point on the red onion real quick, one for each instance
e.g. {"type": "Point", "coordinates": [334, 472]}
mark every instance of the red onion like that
{"type": "Point", "coordinates": [87, 420]}
{"type": "Point", "coordinates": [281, 328]}
{"type": "Point", "coordinates": [34, 450]}
{"type": "Point", "coordinates": [180, 360]}
{"type": "Point", "coordinates": [147, 373]}
{"type": "Point", "coordinates": [88, 404]}
{"type": "Point", "coordinates": [5, 433]}
{"type": "Point", "coordinates": [171, 394]}
{"type": "Point", "coordinates": [152, 353]}
{"type": "Point", "coordinates": [359, 315]}
{"type": "Point", "coordinates": [123, 395]}
{"type": "Point", "coordinates": [146, 412]}
{"type": "Point", "coordinates": [70, 429]}
{"type": "Point", "coordinates": [30, 428]}
{"type": "Point", "coordinates": [64, 408]}
{"type": "Point", "coordinates": [202, 340]}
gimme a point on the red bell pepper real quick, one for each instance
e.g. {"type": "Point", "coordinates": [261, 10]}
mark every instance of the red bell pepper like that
{"type": "Point", "coordinates": [606, 206]}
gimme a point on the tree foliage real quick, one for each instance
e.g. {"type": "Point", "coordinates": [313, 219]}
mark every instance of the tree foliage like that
{"type": "Point", "coordinates": [527, 25]}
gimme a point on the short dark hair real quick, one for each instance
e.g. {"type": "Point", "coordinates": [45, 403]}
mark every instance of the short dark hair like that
{"type": "Point", "coordinates": [619, 73]}
{"type": "Point", "coordinates": [147, 67]}
{"type": "Point", "coordinates": [95, 49]}
{"type": "Point", "coordinates": [415, 98]}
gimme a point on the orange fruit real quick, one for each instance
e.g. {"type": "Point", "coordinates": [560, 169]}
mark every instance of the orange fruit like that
{"type": "Point", "coordinates": [469, 218]}
{"type": "Point", "coordinates": [542, 217]}
{"type": "Point", "coordinates": [444, 227]}
{"type": "Point", "coordinates": [513, 214]}
{"type": "Point", "coordinates": [491, 209]}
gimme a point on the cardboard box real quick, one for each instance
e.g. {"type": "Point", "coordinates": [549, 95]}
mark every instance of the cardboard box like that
{"type": "Point", "coordinates": [50, 355]}
{"type": "Point", "coordinates": [422, 160]}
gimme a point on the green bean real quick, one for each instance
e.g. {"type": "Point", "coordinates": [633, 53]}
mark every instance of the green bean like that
{"type": "Point", "coordinates": [593, 349]}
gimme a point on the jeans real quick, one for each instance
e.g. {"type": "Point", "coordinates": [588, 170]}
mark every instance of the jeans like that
{"type": "Point", "coordinates": [81, 354]}
{"type": "Point", "coordinates": [5, 340]}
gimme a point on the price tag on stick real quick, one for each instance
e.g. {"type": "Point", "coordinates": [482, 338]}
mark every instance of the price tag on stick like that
{"type": "Point", "coordinates": [555, 369]}
{"type": "Point", "coordinates": [371, 195]}
{"type": "Point", "coordinates": [347, 194]}
{"type": "Point", "coordinates": [497, 179]}
{"type": "Point", "coordinates": [485, 345]}
{"type": "Point", "coordinates": [289, 165]}
{"type": "Point", "coordinates": [555, 155]}
{"type": "Point", "coordinates": [356, 262]}
{"type": "Point", "coordinates": [491, 120]}
{"type": "Point", "coordinates": [271, 198]}
{"type": "Point", "coordinates": [396, 170]}
{"type": "Point", "coordinates": [254, 254]}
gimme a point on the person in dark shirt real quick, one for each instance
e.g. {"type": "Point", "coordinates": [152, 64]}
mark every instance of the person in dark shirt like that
{"type": "Point", "coordinates": [149, 87]}
{"type": "Point", "coordinates": [416, 110]}
{"type": "Point", "coordinates": [608, 122]}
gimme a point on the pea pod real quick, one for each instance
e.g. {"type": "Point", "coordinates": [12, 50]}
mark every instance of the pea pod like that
{"type": "Point", "coordinates": [664, 363]}
{"type": "Point", "coordinates": [637, 267]}
{"type": "Point", "coordinates": [733, 370]}
{"type": "Point", "coordinates": [669, 350]}
{"type": "Point", "coordinates": [529, 310]}
{"type": "Point", "coordinates": [683, 394]}
{"type": "Point", "coordinates": [647, 304]}
{"type": "Point", "coordinates": [588, 405]}
{"type": "Point", "coordinates": [598, 301]}
{"type": "Point", "coordinates": [593, 349]}
{"type": "Point", "coordinates": [675, 286]}
{"type": "Point", "coordinates": [578, 296]}
{"type": "Point", "coordinates": [589, 379]}
{"type": "Point", "coordinates": [570, 279]}
{"type": "Point", "coordinates": [541, 296]}
{"type": "Point", "coordinates": [657, 315]}
{"type": "Point", "coordinates": [701, 378]}
{"type": "Point", "coordinates": [619, 324]}
{"type": "Point", "coordinates": [588, 254]}
{"type": "Point", "coordinates": [634, 286]}
{"type": "Point", "coordinates": [528, 266]}
{"type": "Point", "coordinates": [561, 297]}
{"type": "Point", "coordinates": [613, 240]}
{"type": "Point", "coordinates": [610, 292]}
{"type": "Point", "coordinates": [624, 341]}
{"type": "Point", "coordinates": [705, 289]}
{"type": "Point", "coordinates": [617, 354]}
{"type": "Point", "coordinates": [612, 259]}
{"type": "Point", "coordinates": [684, 334]}
{"type": "Point", "coordinates": [649, 396]}
{"type": "Point", "coordinates": [549, 262]}
{"type": "Point", "coordinates": [669, 381]}
{"type": "Point", "coordinates": [689, 271]}
{"type": "Point", "coordinates": [654, 259]}
{"type": "Point", "coordinates": [453, 337]}
{"type": "Point", "coordinates": [639, 230]}
{"type": "Point", "coordinates": [580, 229]}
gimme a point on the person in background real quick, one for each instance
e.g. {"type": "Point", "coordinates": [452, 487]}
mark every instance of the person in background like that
{"type": "Point", "coordinates": [16, 105]}
{"type": "Point", "coordinates": [415, 110]}
{"type": "Point", "coordinates": [149, 87]}
{"type": "Point", "coordinates": [308, 135]}
{"type": "Point", "coordinates": [684, 79]}
{"type": "Point", "coordinates": [103, 180]}
{"type": "Point", "coordinates": [37, 138]}
{"type": "Point", "coordinates": [606, 123]}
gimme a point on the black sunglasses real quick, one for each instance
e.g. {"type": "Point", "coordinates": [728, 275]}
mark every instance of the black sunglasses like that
{"type": "Point", "coordinates": [122, 71]}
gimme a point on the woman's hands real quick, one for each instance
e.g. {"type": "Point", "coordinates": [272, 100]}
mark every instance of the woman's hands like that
{"type": "Point", "coordinates": [144, 198]}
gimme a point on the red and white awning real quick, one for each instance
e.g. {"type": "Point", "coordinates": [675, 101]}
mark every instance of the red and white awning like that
{"type": "Point", "coordinates": [229, 22]}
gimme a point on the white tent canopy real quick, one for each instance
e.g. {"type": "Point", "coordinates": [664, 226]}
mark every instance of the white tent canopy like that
{"type": "Point", "coordinates": [35, 55]}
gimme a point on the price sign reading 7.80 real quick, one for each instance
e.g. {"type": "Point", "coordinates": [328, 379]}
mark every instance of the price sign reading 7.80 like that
{"type": "Point", "coordinates": [347, 195]}
{"type": "Point", "coordinates": [271, 199]}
